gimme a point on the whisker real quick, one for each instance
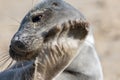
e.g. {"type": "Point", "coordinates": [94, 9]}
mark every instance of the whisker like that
{"type": "Point", "coordinates": [5, 55]}
{"type": "Point", "coordinates": [3, 59]}
{"type": "Point", "coordinates": [14, 19]}
{"type": "Point", "coordinates": [4, 64]}
{"type": "Point", "coordinates": [11, 62]}
{"type": "Point", "coordinates": [32, 3]}
{"type": "Point", "coordinates": [14, 25]}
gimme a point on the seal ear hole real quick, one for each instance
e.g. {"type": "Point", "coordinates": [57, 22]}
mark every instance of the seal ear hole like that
{"type": "Point", "coordinates": [36, 18]}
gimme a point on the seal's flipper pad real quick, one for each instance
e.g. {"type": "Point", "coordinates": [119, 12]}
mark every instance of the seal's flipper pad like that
{"type": "Point", "coordinates": [78, 29]}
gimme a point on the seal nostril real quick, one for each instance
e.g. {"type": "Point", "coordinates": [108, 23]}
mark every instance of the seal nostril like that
{"type": "Point", "coordinates": [19, 45]}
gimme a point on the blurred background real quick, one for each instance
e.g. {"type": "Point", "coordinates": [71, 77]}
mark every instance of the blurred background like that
{"type": "Point", "coordinates": [104, 15]}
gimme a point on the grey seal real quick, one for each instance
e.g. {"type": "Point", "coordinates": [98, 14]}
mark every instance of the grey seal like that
{"type": "Point", "coordinates": [54, 42]}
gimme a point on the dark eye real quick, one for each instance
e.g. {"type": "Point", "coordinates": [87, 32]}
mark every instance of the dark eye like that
{"type": "Point", "coordinates": [36, 18]}
{"type": "Point", "coordinates": [54, 4]}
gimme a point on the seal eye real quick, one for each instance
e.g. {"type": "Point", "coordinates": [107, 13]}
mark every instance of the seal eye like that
{"type": "Point", "coordinates": [54, 4]}
{"type": "Point", "coordinates": [36, 18]}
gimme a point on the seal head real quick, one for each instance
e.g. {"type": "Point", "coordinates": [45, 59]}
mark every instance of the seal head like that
{"type": "Point", "coordinates": [42, 25]}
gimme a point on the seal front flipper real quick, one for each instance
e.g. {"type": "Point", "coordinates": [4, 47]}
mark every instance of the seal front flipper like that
{"type": "Point", "coordinates": [78, 29]}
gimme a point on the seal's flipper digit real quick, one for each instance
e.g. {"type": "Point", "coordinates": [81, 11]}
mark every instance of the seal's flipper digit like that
{"type": "Point", "coordinates": [78, 29]}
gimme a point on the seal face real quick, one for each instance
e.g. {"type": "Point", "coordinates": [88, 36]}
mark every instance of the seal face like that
{"type": "Point", "coordinates": [40, 26]}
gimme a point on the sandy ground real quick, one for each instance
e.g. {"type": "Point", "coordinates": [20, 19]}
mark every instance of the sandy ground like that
{"type": "Point", "coordinates": [104, 15]}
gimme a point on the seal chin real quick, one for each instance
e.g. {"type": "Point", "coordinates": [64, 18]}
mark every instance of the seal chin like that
{"type": "Point", "coordinates": [22, 56]}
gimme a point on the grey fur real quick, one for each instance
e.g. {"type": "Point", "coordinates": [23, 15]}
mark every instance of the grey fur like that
{"type": "Point", "coordinates": [54, 42]}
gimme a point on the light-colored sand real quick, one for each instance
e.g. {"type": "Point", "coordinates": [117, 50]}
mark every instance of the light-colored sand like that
{"type": "Point", "coordinates": [104, 15]}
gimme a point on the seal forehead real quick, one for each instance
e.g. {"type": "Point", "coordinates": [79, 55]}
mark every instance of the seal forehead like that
{"type": "Point", "coordinates": [60, 11]}
{"type": "Point", "coordinates": [50, 0]}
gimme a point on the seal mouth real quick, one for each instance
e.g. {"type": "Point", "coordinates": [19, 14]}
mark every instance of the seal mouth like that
{"type": "Point", "coordinates": [22, 55]}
